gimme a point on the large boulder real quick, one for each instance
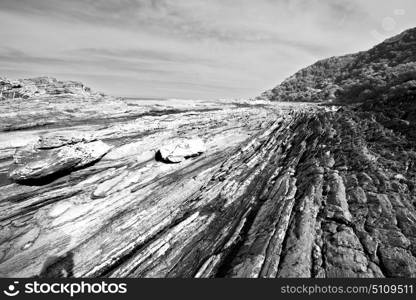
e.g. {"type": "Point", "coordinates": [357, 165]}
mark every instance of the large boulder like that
{"type": "Point", "coordinates": [178, 150]}
{"type": "Point", "coordinates": [52, 157]}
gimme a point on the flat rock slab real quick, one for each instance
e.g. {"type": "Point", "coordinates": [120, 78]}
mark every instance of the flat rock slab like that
{"type": "Point", "coordinates": [58, 139]}
{"type": "Point", "coordinates": [34, 162]}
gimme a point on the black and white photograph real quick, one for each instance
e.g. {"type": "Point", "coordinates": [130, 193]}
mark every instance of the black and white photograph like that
{"type": "Point", "coordinates": [207, 139]}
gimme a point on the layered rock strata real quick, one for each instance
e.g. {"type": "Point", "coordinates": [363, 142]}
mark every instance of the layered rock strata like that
{"type": "Point", "coordinates": [313, 194]}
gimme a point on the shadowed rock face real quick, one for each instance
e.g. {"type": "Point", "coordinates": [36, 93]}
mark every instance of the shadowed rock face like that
{"type": "Point", "coordinates": [279, 190]}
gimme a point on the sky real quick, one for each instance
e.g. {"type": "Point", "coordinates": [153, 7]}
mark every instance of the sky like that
{"type": "Point", "coordinates": [189, 49]}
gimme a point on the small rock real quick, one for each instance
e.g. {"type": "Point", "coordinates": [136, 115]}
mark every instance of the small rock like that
{"type": "Point", "coordinates": [357, 195]}
{"type": "Point", "coordinates": [397, 262]}
{"type": "Point", "coordinates": [399, 177]}
{"type": "Point", "coordinates": [180, 149]}
{"type": "Point", "coordinates": [59, 209]}
{"type": "Point", "coordinates": [28, 239]}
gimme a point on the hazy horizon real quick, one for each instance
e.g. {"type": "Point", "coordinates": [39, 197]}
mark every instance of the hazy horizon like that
{"type": "Point", "coordinates": [187, 49]}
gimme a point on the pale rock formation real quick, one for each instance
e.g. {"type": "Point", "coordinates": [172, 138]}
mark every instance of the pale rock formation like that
{"type": "Point", "coordinates": [178, 150]}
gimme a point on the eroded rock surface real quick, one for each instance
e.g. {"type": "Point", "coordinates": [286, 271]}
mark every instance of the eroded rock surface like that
{"type": "Point", "coordinates": [94, 217]}
{"type": "Point", "coordinates": [308, 194]}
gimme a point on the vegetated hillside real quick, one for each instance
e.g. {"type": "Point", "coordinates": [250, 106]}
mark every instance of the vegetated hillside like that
{"type": "Point", "coordinates": [385, 71]}
{"type": "Point", "coordinates": [382, 80]}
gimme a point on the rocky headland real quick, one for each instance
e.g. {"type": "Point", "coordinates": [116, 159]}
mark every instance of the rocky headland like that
{"type": "Point", "coordinates": [315, 178]}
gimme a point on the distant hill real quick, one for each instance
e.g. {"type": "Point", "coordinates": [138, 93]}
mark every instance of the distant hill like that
{"type": "Point", "coordinates": [385, 71]}
{"type": "Point", "coordinates": [41, 86]}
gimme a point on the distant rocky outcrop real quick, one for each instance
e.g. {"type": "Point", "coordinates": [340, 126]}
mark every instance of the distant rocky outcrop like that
{"type": "Point", "coordinates": [40, 86]}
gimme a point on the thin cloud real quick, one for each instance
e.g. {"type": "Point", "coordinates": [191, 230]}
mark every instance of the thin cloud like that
{"type": "Point", "coordinates": [138, 54]}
